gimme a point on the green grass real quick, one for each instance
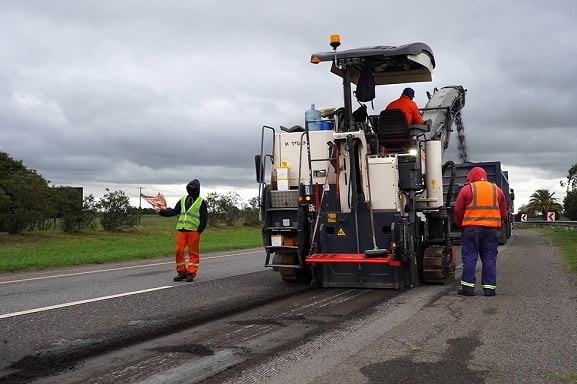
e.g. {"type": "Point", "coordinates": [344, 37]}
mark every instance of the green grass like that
{"type": "Point", "coordinates": [154, 238]}
{"type": "Point", "coordinates": [567, 243]}
{"type": "Point", "coordinates": [571, 378]}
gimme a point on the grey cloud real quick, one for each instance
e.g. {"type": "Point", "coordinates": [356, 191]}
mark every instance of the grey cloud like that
{"type": "Point", "coordinates": [151, 93]}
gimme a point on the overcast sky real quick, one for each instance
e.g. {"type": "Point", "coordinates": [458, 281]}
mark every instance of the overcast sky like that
{"type": "Point", "coordinates": [124, 94]}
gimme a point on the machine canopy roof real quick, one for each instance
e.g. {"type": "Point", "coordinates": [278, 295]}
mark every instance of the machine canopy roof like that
{"type": "Point", "coordinates": [407, 63]}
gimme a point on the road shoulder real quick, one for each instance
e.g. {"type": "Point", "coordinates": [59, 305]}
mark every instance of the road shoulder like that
{"type": "Point", "coordinates": [527, 333]}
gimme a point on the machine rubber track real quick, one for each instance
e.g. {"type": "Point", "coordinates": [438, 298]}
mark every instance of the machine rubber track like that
{"type": "Point", "coordinates": [438, 265]}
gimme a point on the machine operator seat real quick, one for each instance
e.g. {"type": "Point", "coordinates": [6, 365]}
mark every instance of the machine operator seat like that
{"type": "Point", "coordinates": [394, 133]}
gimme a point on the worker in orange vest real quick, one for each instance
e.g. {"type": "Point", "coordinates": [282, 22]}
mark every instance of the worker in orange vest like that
{"type": "Point", "coordinates": [408, 106]}
{"type": "Point", "coordinates": [480, 209]}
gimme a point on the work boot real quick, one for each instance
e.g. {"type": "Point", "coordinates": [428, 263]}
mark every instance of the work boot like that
{"type": "Point", "coordinates": [462, 292]}
{"type": "Point", "coordinates": [190, 277]}
{"type": "Point", "coordinates": [179, 277]}
{"type": "Point", "coordinates": [489, 293]}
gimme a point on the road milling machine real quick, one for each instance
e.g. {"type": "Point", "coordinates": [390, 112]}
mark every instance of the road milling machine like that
{"type": "Point", "coordinates": [356, 200]}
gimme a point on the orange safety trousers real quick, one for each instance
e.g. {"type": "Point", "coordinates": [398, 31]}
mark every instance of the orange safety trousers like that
{"type": "Point", "coordinates": [190, 239]}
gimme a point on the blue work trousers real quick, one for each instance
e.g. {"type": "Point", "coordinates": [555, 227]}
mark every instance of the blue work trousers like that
{"type": "Point", "coordinates": [483, 242]}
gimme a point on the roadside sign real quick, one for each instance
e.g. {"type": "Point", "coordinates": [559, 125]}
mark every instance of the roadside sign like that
{"type": "Point", "coordinates": [550, 216]}
{"type": "Point", "coordinates": [523, 217]}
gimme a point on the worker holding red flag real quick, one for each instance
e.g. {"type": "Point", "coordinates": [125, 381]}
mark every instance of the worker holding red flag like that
{"type": "Point", "coordinates": [193, 218]}
{"type": "Point", "coordinates": [158, 201]}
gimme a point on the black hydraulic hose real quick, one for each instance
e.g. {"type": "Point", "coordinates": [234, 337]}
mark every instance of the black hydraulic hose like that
{"type": "Point", "coordinates": [451, 182]}
{"type": "Point", "coordinates": [352, 149]}
{"type": "Point", "coordinates": [347, 98]}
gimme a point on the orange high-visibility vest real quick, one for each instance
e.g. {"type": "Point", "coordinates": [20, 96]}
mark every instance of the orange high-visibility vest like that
{"type": "Point", "coordinates": [483, 209]}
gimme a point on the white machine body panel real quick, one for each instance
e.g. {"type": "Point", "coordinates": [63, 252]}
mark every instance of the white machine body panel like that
{"type": "Point", "coordinates": [384, 179]}
{"type": "Point", "coordinates": [291, 151]}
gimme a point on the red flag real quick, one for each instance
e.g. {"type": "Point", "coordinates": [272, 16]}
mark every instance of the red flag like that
{"type": "Point", "coordinates": [158, 201]}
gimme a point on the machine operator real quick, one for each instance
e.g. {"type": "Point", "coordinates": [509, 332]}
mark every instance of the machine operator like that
{"type": "Point", "coordinates": [408, 106]}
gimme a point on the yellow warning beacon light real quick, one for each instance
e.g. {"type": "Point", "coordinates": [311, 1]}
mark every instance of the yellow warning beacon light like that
{"type": "Point", "coordinates": [335, 41]}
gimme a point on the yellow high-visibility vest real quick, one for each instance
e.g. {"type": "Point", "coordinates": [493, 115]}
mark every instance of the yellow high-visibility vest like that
{"type": "Point", "coordinates": [189, 219]}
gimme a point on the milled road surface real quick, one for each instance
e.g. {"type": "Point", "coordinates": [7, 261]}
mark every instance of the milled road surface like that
{"type": "Point", "coordinates": [278, 333]}
{"type": "Point", "coordinates": [45, 343]}
{"type": "Point", "coordinates": [525, 334]}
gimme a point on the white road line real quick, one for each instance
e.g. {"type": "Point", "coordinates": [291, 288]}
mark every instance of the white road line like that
{"type": "Point", "coordinates": [121, 268]}
{"type": "Point", "coordinates": [14, 314]}
{"type": "Point", "coordinates": [85, 272]}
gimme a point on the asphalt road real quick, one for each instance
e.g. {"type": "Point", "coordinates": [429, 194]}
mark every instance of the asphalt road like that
{"type": "Point", "coordinates": [525, 334]}
{"type": "Point", "coordinates": [38, 290]}
{"type": "Point", "coordinates": [50, 319]}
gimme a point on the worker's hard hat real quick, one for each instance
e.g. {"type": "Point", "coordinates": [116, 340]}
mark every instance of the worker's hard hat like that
{"type": "Point", "coordinates": [409, 92]}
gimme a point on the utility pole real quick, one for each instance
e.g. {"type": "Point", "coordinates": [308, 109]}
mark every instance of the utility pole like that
{"type": "Point", "coordinates": [139, 206]}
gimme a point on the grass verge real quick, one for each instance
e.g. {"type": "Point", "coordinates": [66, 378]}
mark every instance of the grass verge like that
{"type": "Point", "coordinates": [567, 243]}
{"type": "Point", "coordinates": [154, 238]}
{"type": "Point", "coordinates": [571, 378]}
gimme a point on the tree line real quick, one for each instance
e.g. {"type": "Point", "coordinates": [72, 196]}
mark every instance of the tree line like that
{"type": "Point", "coordinates": [228, 209]}
{"type": "Point", "coordinates": [28, 202]}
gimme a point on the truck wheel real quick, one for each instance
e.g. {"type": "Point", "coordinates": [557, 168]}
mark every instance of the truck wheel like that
{"type": "Point", "coordinates": [292, 275]}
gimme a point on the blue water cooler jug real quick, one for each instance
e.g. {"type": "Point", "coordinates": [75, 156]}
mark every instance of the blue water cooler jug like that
{"type": "Point", "coordinates": [313, 118]}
